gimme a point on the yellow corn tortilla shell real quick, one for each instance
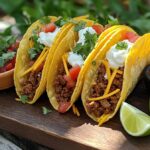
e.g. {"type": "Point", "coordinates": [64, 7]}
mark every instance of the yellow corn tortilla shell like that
{"type": "Point", "coordinates": [63, 48]}
{"type": "Point", "coordinates": [138, 58]}
{"type": "Point", "coordinates": [22, 58]}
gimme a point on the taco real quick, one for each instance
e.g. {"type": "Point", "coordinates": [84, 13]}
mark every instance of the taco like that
{"type": "Point", "coordinates": [66, 72]}
{"type": "Point", "coordinates": [115, 72]}
{"type": "Point", "coordinates": [41, 38]}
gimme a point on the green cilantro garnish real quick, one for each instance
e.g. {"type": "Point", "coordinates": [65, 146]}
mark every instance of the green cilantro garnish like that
{"type": "Point", "coordinates": [121, 46]}
{"type": "Point", "coordinates": [62, 21]}
{"type": "Point", "coordinates": [113, 21]}
{"type": "Point", "coordinates": [24, 98]}
{"type": "Point", "coordinates": [84, 50]}
{"type": "Point", "coordinates": [79, 26]}
{"type": "Point", "coordinates": [45, 110]}
{"type": "Point", "coordinates": [5, 57]}
{"type": "Point", "coordinates": [37, 47]}
{"type": "Point", "coordinates": [45, 20]}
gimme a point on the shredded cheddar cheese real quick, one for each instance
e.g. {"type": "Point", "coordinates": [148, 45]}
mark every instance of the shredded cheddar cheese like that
{"type": "Point", "coordinates": [107, 68]}
{"type": "Point", "coordinates": [31, 43]}
{"type": "Point", "coordinates": [64, 57]}
{"type": "Point", "coordinates": [110, 82]}
{"type": "Point", "coordinates": [75, 110]}
{"type": "Point", "coordinates": [102, 119]}
{"type": "Point", "coordinates": [119, 71]}
{"type": "Point", "coordinates": [105, 96]}
{"type": "Point", "coordinates": [36, 62]}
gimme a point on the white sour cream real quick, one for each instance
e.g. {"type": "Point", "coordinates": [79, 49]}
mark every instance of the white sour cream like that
{"type": "Point", "coordinates": [82, 33]}
{"type": "Point", "coordinates": [75, 59]}
{"type": "Point", "coordinates": [116, 57]}
{"type": "Point", "coordinates": [48, 38]}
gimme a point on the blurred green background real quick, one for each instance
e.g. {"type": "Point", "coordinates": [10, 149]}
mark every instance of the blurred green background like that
{"type": "Point", "coordinates": [135, 13]}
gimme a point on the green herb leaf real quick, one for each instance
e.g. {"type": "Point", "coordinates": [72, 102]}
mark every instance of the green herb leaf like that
{"type": "Point", "coordinates": [45, 110]}
{"type": "Point", "coordinates": [37, 47]}
{"type": "Point", "coordinates": [24, 98]}
{"type": "Point", "coordinates": [45, 20]}
{"type": "Point", "coordinates": [113, 21]}
{"type": "Point", "coordinates": [62, 21]}
{"type": "Point", "coordinates": [84, 50]}
{"type": "Point", "coordinates": [6, 57]}
{"type": "Point", "coordinates": [79, 26]}
{"type": "Point", "coordinates": [121, 46]}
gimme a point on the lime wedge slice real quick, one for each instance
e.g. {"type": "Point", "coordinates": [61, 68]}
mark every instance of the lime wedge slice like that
{"type": "Point", "coordinates": [134, 121]}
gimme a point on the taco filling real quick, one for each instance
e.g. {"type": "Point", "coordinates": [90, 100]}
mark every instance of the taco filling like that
{"type": "Point", "coordinates": [72, 62]}
{"type": "Point", "coordinates": [40, 41]}
{"type": "Point", "coordinates": [107, 84]}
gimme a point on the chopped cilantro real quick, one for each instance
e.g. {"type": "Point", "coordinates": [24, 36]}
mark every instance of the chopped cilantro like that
{"type": "Point", "coordinates": [62, 21]}
{"type": "Point", "coordinates": [84, 50]}
{"type": "Point", "coordinates": [5, 57]}
{"type": "Point", "coordinates": [24, 98]}
{"type": "Point", "coordinates": [121, 46]}
{"type": "Point", "coordinates": [45, 110]}
{"type": "Point", "coordinates": [45, 20]}
{"type": "Point", "coordinates": [113, 21]}
{"type": "Point", "coordinates": [79, 26]}
{"type": "Point", "coordinates": [37, 47]}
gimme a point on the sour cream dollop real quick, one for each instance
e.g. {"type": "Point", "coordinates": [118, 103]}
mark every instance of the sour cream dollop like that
{"type": "Point", "coordinates": [116, 57]}
{"type": "Point", "coordinates": [75, 59]}
{"type": "Point", "coordinates": [82, 33]}
{"type": "Point", "coordinates": [48, 38]}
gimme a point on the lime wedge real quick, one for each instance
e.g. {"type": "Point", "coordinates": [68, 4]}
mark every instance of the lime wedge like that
{"type": "Point", "coordinates": [134, 121]}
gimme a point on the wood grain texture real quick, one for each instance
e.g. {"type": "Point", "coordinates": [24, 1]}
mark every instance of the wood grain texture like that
{"type": "Point", "coordinates": [66, 131]}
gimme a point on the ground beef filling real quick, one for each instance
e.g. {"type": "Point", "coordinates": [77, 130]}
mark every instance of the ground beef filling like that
{"type": "Point", "coordinates": [108, 105]}
{"type": "Point", "coordinates": [30, 85]}
{"type": "Point", "coordinates": [63, 92]}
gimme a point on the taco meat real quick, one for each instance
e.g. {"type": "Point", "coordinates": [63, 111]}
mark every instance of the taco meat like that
{"type": "Point", "coordinates": [107, 105]}
{"type": "Point", "coordinates": [30, 85]}
{"type": "Point", "coordinates": [63, 91]}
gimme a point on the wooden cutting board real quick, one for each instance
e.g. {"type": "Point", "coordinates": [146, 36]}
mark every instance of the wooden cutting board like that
{"type": "Point", "coordinates": [67, 131]}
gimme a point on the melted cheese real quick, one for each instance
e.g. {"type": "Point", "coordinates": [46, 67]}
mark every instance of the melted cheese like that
{"type": "Point", "coordinates": [119, 71]}
{"type": "Point", "coordinates": [64, 57]}
{"type": "Point", "coordinates": [104, 96]}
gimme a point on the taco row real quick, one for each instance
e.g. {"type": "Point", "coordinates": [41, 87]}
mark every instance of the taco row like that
{"type": "Point", "coordinates": [73, 57]}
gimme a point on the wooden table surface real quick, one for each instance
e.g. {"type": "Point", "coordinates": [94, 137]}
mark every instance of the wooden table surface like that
{"type": "Point", "coordinates": [65, 132]}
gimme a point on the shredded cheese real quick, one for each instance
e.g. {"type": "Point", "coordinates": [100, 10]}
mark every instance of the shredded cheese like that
{"type": "Point", "coordinates": [64, 57]}
{"type": "Point", "coordinates": [102, 119]}
{"type": "Point", "coordinates": [75, 110]}
{"type": "Point", "coordinates": [104, 96]}
{"type": "Point", "coordinates": [40, 61]}
{"type": "Point", "coordinates": [119, 71]}
{"type": "Point", "coordinates": [110, 82]}
{"type": "Point", "coordinates": [36, 62]}
{"type": "Point", "coordinates": [107, 68]}
{"type": "Point", "coordinates": [31, 43]}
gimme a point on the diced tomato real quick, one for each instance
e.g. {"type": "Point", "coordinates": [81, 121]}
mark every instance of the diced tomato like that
{"type": "Point", "coordinates": [49, 27]}
{"type": "Point", "coordinates": [97, 28]}
{"type": "Point", "coordinates": [2, 69]}
{"type": "Point", "coordinates": [9, 66]}
{"type": "Point", "coordinates": [70, 82]}
{"type": "Point", "coordinates": [63, 106]}
{"type": "Point", "coordinates": [13, 61]}
{"type": "Point", "coordinates": [13, 46]}
{"type": "Point", "coordinates": [74, 72]}
{"type": "Point", "coordinates": [132, 37]}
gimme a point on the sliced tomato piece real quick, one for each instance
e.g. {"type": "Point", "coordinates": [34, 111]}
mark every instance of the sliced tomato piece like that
{"type": "Point", "coordinates": [70, 82]}
{"type": "Point", "coordinates": [2, 69]}
{"type": "Point", "coordinates": [9, 66]}
{"type": "Point", "coordinates": [49, 27]}
{"type": "Point", "coordinates": [63, 106]}
{"type": "Point", "coordinates": [13, 61]}
{"type": "Point", "coordinates": [97, 28]}
{"type": "Point", "coordinates": [131, 36]}
{"type": "Point", "coordinates": [74, 72]}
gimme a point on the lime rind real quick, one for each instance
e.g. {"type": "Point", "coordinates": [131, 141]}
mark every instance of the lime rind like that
{"type": "Point", "coordinates": [134, 121]}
